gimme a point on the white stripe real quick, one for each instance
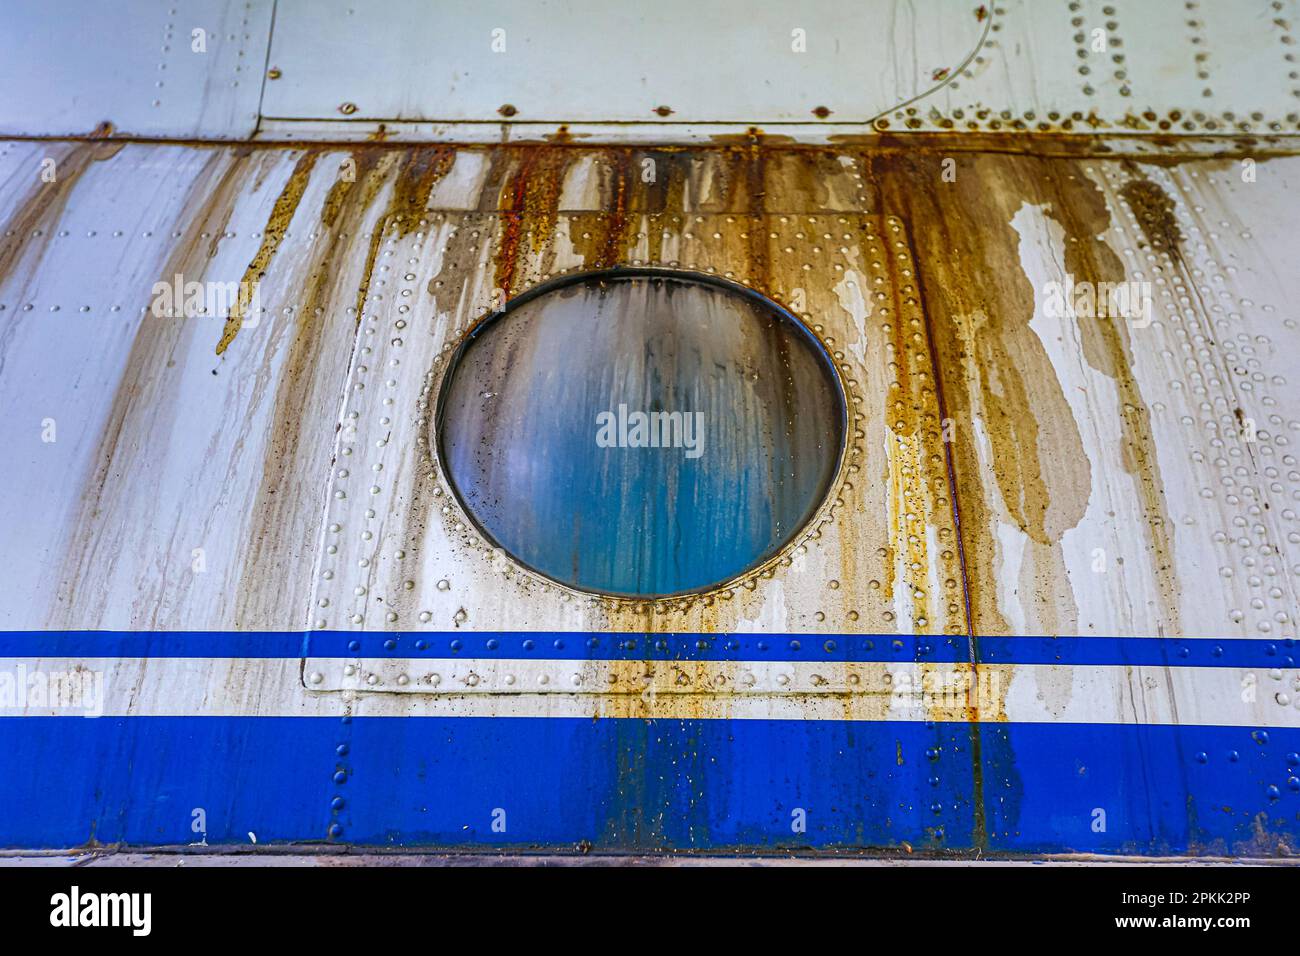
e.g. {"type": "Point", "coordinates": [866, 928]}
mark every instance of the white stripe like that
{"type": "Point", "coordinates": [740, 690]}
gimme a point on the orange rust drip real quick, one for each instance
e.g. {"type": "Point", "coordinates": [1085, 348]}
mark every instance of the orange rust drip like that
{"type": "Point", "coordinates": [423, 170]}
{"type": "Point", "coordinates": [529, 207]}
{"type": "Point", "coordinates": [513, 226]}
{"type": "Point", "coordinates": [420, 173]}
{"type": "Point", "coordinates": [276, 227]}
{"type": "Point", "coordinates": [949, 464]}
{"type": "Point", "coordinates": [616, 219]}
{"type": "Point", "coordinates": [755, 160]}
{"type": "Point", "coordinates": [295, 447]}
{"type": "Point", "coordinates": [602, 238]}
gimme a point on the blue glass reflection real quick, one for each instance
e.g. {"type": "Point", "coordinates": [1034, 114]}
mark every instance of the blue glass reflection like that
{"type": "Point", "coordinates": [641, 435]}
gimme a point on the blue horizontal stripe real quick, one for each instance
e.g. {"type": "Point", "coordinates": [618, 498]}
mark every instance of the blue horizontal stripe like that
{"type": "Point", "coordinates": [153, 644]}
{"type": "Point", "coordinates": [649, 785]}
{"type": "Point", "coordinates": [445, 644]}
{"type": "Point", "coordinates": [1135, 651]}
{"type": "Point", "coordinates": [605, 646]}
{"type": "Point", "coordinates": [1176, 652]}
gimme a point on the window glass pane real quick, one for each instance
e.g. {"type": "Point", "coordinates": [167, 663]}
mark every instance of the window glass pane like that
{"type": "Point", "coordinates": [641, 434]}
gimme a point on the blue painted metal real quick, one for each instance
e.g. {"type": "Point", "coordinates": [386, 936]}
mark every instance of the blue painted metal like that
{"type": "Point", "coordinates": [438, 781]}
{"type": "Point", "coordinates": [1164, 789]}
{"type": "Point", "coordinates": [631, 784]}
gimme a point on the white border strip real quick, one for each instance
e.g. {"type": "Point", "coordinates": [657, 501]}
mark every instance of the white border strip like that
{"type": "Point", "coordinates": [733, 690]}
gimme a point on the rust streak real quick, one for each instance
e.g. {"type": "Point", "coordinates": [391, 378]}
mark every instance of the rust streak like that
{"type": "Point", "coordinates": [421, 171]}
{"type": "Point", "coordinates": [276, 227]}
{"type": "Point", "coordinates": [282, 533]}
{"type": "Point", "coordinates": [140, 396]}
{"type": "Point", "coordinates": [529, 208]}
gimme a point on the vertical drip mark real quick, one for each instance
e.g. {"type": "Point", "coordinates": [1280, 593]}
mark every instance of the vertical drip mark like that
{"type": "Point", "coordinates": [421, 171]}
{"type": "Point", "coordinates": [276, 227]}
{"type": "Point", "coordinates": [529, 207]}
{"type": "Point", "coordinates": [37, 214]}
{"type": "Point", "coordinates": [603, 245]}
{"type": "Point", "coordinates": [979, 822]}
{"type": "Point", "coordinates": [949, 463]}
{"type": "Point", "coordinates": [98, 532]}
{"type": "Point", "coordinates": [756, 186]}
{"type": "Point", "coordinates": [616, 218]}
{"type": "Point", "coordinates": [1108, 348]}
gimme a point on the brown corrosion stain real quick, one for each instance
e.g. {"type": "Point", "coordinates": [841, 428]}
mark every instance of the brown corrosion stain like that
{"type": "Point", "coordinates": [143, 394]}
{"type": "Point", "coordinates": [1155, 213]}
{"type": "Point", "coordinates": [605, 245]}
{"type": "Point", "coordinates": [40, 209]}
{"type": "Point", "coordinates": [357, 165]}
{"type": "Point", "coordinates": [919, 494]}
{"type": "Point", "coordinates": [980, 304]}
{"type": "Point", "coordinates": [809, 181]}
{"type": "Point", "coordinates": [747, 189]}
{"type": "Point", "coordinates": [616, 219]}
{"type": "Point", "coordinates": [419, 171]}
{"type": "Point", "coordinates": [422, 170]}
{"type": "Point", "coordinates": [755, 164]}
{"type": "Point", "coordinates": [277, 518]}
{"type": "Point", "coordinates": [286, 204]}
{"type": "Point", "coordinates": [1082, 213]}
{"type": "Point", "coordinates": [664, 198]}
{"type": "Point", "coordinates": [529, 207]}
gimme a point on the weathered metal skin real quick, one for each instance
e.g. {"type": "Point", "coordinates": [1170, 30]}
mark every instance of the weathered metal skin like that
{"type": "Point", "coordinates": [1006, 473]}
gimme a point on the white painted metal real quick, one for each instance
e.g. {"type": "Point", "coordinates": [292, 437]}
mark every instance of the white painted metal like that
{"type": "Point", "coordinates": [1220, 347]}
{"type": "Point", "coordinates": [934, 65]}
{"type": "Point", "coordinates": [138, 65]}
{"type": "Point", "coordinates": [443, 71]}
{"type": "Point", "coordinates": [582, 61]}
{"type": "Point", "coordinates": [1022, 693]}
{"type": "Point", "coordinates": [78, 328]}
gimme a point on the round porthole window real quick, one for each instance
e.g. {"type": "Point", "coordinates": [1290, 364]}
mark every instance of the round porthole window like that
{"type": "Point", "coordinates": [641, 433]}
